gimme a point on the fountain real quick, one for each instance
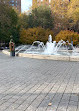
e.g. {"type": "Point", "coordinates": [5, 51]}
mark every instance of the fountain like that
{"type": "Point", "coordinates": [63, 50]}
{"type": "Point", "coordinates": [36, 47]}
{"type": "Point", "coordinates": [51, 48]}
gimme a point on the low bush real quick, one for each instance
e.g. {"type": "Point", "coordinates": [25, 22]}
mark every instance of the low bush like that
{"type": "Point", "coordinates": [68, 35]}
{"type": "Point", "coordinates": [35, 34]}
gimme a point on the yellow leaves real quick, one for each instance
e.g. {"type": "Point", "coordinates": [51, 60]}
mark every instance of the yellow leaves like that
{"type": "Point", "coordinates": [33, 34]}
{"type": "Point", "coordinates": [73, 10]}
{"type": "Point", "coordinates": [68, 35]}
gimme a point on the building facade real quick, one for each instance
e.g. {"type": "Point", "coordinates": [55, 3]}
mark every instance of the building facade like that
{"type": "Point", "coordinates": [16, 3]}
{"type": "Point", "coordinates": [13, 3]}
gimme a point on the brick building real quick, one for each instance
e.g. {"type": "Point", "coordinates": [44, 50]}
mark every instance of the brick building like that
{"type": "Point", "coordinates": [14, 3]}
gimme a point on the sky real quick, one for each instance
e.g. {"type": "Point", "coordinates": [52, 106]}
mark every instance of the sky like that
{"type": "Point", "coordinates": [25, 4]}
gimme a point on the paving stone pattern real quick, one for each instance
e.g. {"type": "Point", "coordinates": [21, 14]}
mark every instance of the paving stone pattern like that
{"type": "Point", "coordinates": [31, 84]}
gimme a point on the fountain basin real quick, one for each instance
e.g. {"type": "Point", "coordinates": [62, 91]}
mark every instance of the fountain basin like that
{"type": "Point", "coordinates": [49, 57]}
{"type": "Point", "coordinates": [51, 51]}
{"type": "Point", "coordinates": [38, 56]}
{"type": "Point", "coordinates": [6, 52]}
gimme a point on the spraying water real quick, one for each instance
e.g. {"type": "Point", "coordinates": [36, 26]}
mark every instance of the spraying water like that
{"type": "Point", "coordinates": [51, 48]}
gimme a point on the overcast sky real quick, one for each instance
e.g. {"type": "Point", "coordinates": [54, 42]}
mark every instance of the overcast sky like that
{"type": "Point", "coordinates": [25, 4]}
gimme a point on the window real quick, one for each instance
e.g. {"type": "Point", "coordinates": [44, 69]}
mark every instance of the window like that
{"type": "Point", "coordinates": [12, 4]}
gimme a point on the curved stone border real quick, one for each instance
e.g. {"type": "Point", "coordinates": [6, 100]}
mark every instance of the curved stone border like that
{"type": "Point", "coordinates": [6, 52]}
{"type": "Point", "coordinates": [49, 57]}
{"type": "Point", "coordinates": [37, 56]}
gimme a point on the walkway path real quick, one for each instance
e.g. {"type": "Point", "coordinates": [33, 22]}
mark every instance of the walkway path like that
{"type": "Point", "coordinates": [31, 84]}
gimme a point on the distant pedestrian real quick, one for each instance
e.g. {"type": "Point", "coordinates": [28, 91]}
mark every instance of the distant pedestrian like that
{"type": "Point", "coordinates": [12, 47]}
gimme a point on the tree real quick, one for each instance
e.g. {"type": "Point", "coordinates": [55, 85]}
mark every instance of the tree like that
{"type": "Point", "coordinates": [73, 15]}
{"type": "Point", "coordinates": [41, 17]}
{"type": "Point", "coordinates": [73, 10]}
{"type": "Point", "coordinates": [23, 21]}
{"type": "Point", "coordinates": [8, 22]}
{"type": "Point", "coordinates": [59, 10]}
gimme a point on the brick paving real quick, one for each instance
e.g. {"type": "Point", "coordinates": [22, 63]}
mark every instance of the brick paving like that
{"type": "Point", "coordinates": [31, 84]}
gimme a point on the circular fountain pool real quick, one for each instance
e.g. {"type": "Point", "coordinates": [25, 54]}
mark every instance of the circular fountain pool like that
{"type": "Point", "coordinates": [52, 50]}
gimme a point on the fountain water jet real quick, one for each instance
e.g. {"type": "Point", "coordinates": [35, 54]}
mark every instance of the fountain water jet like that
{"type": "Point", "coordinates": [51, 48]}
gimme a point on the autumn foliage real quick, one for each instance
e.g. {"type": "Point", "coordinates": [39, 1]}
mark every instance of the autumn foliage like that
{"type": "Point", "coordinates": [34, 34]}
{"type": "Point", "coordinates": [68, 35]}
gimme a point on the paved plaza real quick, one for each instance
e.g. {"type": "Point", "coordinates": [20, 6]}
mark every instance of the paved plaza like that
{"type": "Point", "coordinates": [38, 85]}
